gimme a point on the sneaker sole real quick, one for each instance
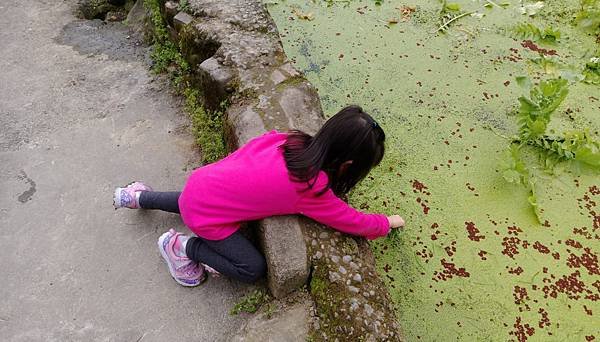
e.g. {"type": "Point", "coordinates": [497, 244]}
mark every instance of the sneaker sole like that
{"type": "Point", "coordinates": [161, 248]}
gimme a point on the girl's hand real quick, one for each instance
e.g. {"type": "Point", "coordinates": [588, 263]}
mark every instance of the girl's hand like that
{"type": "Point", "coordinates": [396, 221]}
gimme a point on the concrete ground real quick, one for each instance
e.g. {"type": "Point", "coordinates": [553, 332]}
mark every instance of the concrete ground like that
{"type": "Point", "coordinates": [79, 115]}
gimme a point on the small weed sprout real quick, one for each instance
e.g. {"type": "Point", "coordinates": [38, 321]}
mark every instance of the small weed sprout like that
{"type": "Point", "coordinates": [251, 302]}
{"type": "Point", "coordinates": [184, 6]}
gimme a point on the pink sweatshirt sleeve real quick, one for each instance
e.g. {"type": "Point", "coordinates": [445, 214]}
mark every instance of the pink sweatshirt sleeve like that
{"type": "Point", "coordinates": [332, 211]}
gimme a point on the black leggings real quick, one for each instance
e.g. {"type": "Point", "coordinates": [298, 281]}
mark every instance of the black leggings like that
{"type": "Point", "coordinates": [234, 256]}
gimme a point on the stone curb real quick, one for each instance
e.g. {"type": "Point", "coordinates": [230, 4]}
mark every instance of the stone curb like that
{"type": "Point", "coordinates": [236, 55]}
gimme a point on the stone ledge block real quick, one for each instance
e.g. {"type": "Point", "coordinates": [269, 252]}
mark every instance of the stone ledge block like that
{"type": "Point", "coordinates": [182, 19]}
{"type": "Point", "coordinates": [218, 73]}
{"type": "Point", "coordinates": [285, 251]}
{"type": "Point", "coordinates": [301, 105]}
{"type": "Point", "coordinates": [245, 123]}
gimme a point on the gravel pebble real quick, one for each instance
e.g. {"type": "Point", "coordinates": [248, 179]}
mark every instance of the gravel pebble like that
{"type": "Point", "coordinates": [342, 270]}
{"type": "Point", "coordinates": [335, 259]}
{"type": "Point", "coordinates": [347, 258]}
{"type": "Point", "coordinates": [353, 304]}
{"type": "Point", "coordinates": [357, 278]}
{"type": "Point", "coordinates": [353, 289]}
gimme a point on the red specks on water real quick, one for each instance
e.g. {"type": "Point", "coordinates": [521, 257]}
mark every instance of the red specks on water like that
{"type": "Point", "coordinates": [473, 231]}
{"type": "Point", "coordinates": [511, 246]}
{"type": "Point", "coordinates": [522, 331]}
{"type": "Point", "coordinates": [590, 206]}
{"type": "Point", "coordinates": [588, 260]}
{"type": "Point", "coordinates": [520, 295]}
{"type": "Point", "coordinates": [514, 230]}
{"type": "Point", "coordinates": [450, 250]}
{"type": "Point", "coordinates": [517, 270]}
{"type": "Point", "coordinates": [482, 255]}
{"type": "Point", "coordinates": [590, 338]}
{"type": "Point", "coordinates": [424, 253]}
{"type": "Point", "coordinates": [541, 248]}
{"type": "Point", "coordinates": [587, 311]}
{"type": "Point", "coordinates": [433, 237]}
{"type": "Point", "coordinates": [556, 255]}
{"type": "Point", "coordinates": [573, 243]}
{"type": "Point", "coordinates": [424, 206]}
{"type": "Point", "coordinates": [528, 44]}
{"type": "Point", "coordinates": [418, 187]}
{"type": "Point", "coordinates": [513, 57]}
{"type": "Point", "coordinates": [583, 231]}
{"type": "Point", "coordinates": [544, 320]}
{"type": "Point", "coordinates": [387, 268]}
{"type": "Point", "coordinates": [506, 83]}
{"type": "Point", "coordinates": [450, 270]}
{"type": "Point", "coordinates": [569, 285]}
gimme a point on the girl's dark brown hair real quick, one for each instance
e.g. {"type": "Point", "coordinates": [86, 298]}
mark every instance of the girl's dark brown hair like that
{"type": "Point", "coordinates": [351, 134]}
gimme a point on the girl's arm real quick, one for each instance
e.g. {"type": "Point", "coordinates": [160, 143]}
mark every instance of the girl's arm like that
{"type": "Point", "coordinates": [332, 211]}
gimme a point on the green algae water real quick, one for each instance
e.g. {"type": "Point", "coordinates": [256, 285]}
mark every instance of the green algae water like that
{"type": "Point", "coordinates": [473, 263]}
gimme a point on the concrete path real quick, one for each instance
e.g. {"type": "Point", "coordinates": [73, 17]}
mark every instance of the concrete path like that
{"type": "Point", "coordinates": [79, 115]}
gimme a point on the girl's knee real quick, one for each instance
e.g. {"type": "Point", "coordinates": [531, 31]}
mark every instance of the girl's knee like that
{"type": "Point", "coordinates": [257, 269]}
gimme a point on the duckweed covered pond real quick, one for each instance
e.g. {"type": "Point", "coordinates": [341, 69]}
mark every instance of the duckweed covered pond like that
{"type": "Point", "coordinates": [474, 262]}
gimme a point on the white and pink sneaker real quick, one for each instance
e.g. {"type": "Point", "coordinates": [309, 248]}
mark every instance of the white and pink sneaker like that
{"type": "Point", "coordinates": [126, 197]}
{"type": "Point", "coordinates": [185, 271]}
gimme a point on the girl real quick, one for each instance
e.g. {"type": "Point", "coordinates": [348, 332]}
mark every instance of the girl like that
{"type": "Point", "coordinates": [274, 174]}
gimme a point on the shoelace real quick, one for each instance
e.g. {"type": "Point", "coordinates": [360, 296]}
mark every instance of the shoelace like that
{"type": "Point", "coordinates": [191, 269]}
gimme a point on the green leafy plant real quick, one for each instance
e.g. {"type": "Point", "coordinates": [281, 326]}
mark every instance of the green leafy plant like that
{"type": "Point", "coordinates": [535, 111]}
{"type": "Point", "coordinates": [529, 31]}
{"type": "Point", "coordinates": [251, 302]}
{"type": "Point", "coordinates": [534, 115]}
{"type": "Point", "coordinates": [591, 72]}
{"type": "Point", "coordinates": [514, 170]}
{"type": "Point", "coordinates": [207, 126]}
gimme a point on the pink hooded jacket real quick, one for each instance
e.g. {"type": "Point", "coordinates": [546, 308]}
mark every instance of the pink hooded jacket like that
{"type": "Point", "coordinates": [253, 183]}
